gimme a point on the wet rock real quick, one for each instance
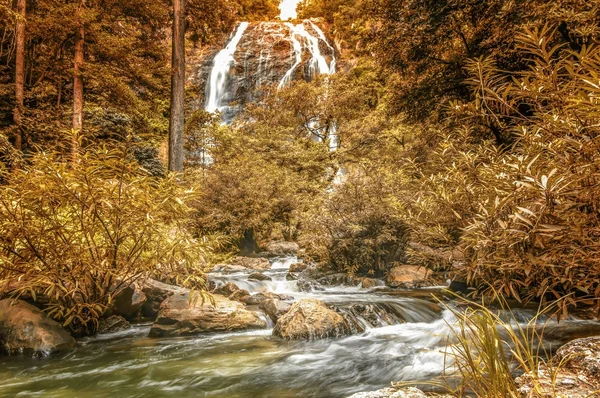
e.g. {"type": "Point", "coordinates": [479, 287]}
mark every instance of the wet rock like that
{"type": "Point", "coordinates": [311, 319]}
{"type": "Point", "coordinates": [275, 308]}
{"type": "Point", "coordinates": [257, 276]}
{"type": "Point", "coordinates": [273, 41]}
{"type": "Point", "coordinates": [229, 268]}
{"type": "Point", "coordinates": [392, 392]}
{"type": "Point", "coordinates": [368, 283]}
{"type": "Point", "coordinates": [282, 249]}
{"type": "Point", "coordinates": [578, 375]}
{"type": "Point", "coordinates": [290, 277]}
{"type": "Point", "coordinates": [259, 298]}
{"type": "Point", "coordinates": [128, 302]}
{"type": "Point", "coordinates": [156, 292]}
{"type": "Point", "coordinates": [179, 316]}
{"type": "Point", "coordinates": [112, 324]}
{"type": "Point", "coordinates": [240, 295]}
{"type": "Point", "coordinates": [226, 289]}
{"type": "Point", "coordinates": [298, 267]}
{"type": "Point", "coordinates": [255, 263]}
{"type": "Point", "coordinates": [25, 329]}
{"type": "Point", "coordinates": [339, 278]}
{"type": "Point", "coordinates": [308, 285]}
{"type": "Point", "coordinates": [407, 276]}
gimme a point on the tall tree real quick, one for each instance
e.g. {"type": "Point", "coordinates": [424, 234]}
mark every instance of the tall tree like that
{"type": "Point", "coordinates": [19, 72]}
{"type": "Point", "coordinates": [176, 121]}
{"type": "Point", "coordinates": [78, 81]}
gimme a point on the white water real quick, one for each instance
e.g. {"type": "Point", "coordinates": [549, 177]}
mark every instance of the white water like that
{"type": "Point", "coordinates": [220, 71]}
{"type": "Point", "coordinates": [302, 40]}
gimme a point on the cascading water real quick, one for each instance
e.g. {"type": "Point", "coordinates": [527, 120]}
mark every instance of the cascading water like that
{"type": "Point", "coordinates": [398, 337]}
{"type": "Point", "coordinates": [264, 53]}
{"type": "Point", "coordinates": [303, 40]}
{"type": "Point", "coordinates": [216, 96]}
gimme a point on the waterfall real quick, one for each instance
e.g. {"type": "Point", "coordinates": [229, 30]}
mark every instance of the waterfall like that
{"type": "Point", "coordinates": [264, 53]}
{"type": "Point", "coordinates": [333, 63]}
{"type": "Point", "coordinates": [217, 84]}
{"type": "Point", "coordinates": [302, 39]}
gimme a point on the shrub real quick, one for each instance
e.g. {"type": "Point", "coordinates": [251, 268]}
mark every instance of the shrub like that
{"type": "Point", "coordinates": [357, 229]}
{"type": "Point", "coordinates": [77, 234]}
{"type": "Point", "coordinates": [536, 230]}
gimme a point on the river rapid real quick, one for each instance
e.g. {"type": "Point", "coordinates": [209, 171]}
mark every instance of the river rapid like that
{"type": "Point", "coordinates": [404, 337]}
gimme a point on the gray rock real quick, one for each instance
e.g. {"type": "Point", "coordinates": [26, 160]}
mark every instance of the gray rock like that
{"type": "Point", "coordinates": [275, 308]}
{"type": "Point", "coordinates": [392, 392]}
{"type": "Point", "coordinates": [128, 302]}
{"type": "Point", "coordinates": [298, 267]}
{"type": "Point", "coordinates": [227, 289]}
{"type": "Point", "coordinates": [577, 375]}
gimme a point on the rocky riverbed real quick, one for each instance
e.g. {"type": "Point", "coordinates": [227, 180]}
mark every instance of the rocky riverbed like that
{"type": "Point", "coordinates": [272, 328]}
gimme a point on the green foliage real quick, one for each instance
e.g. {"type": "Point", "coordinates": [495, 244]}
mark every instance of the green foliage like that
{"type": "Point", "coordinates": [75, 235]}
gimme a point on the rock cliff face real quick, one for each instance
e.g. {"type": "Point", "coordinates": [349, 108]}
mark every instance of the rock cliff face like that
{"type": "Point", "coordinates": [262, 53]}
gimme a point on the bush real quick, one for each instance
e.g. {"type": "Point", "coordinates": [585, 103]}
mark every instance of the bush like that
{"type": "Point", "coordinates": [357, 229]}
{"type": "Point", "coordinates": [525, 214]}
{"type": "Point", "coordinates": [77, 234]}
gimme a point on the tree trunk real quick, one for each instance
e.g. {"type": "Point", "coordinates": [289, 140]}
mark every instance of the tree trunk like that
{"type": "Point", "coordinates": [77, 86]}
{"type": "Point", "coordinates": [19, 72]}
{"type": "Point", "coordinates": [176, 121]}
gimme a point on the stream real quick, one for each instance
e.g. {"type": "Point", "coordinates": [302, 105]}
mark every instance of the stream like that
{"type": "Point", "coordinates": [404, 338]}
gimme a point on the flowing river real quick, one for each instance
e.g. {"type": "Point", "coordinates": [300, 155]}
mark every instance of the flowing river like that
{"type": "Point", "coordinates": [404, 337]}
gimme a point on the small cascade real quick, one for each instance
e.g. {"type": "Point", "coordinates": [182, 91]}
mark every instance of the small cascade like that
{"type": "Point", "coordinates": [367, 315]}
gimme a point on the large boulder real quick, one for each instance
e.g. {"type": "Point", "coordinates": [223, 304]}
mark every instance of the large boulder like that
{"type": "Point", "coordinates": [282, 248]}
{"type": "Point", "coordinates": [25, 329]}
{"type": "Point", "coordinates": [128, 302]}
{"type": "Point", "coordinates": [180, 316]}
{"type": "Point", "coordinates": [577, 366]}
{"type": "Point", "coordinates": [407, 276]}
{"type": "Point", "coordinates": [311, 319]}
{"type": "Point", "coordinates": [156, 292]}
